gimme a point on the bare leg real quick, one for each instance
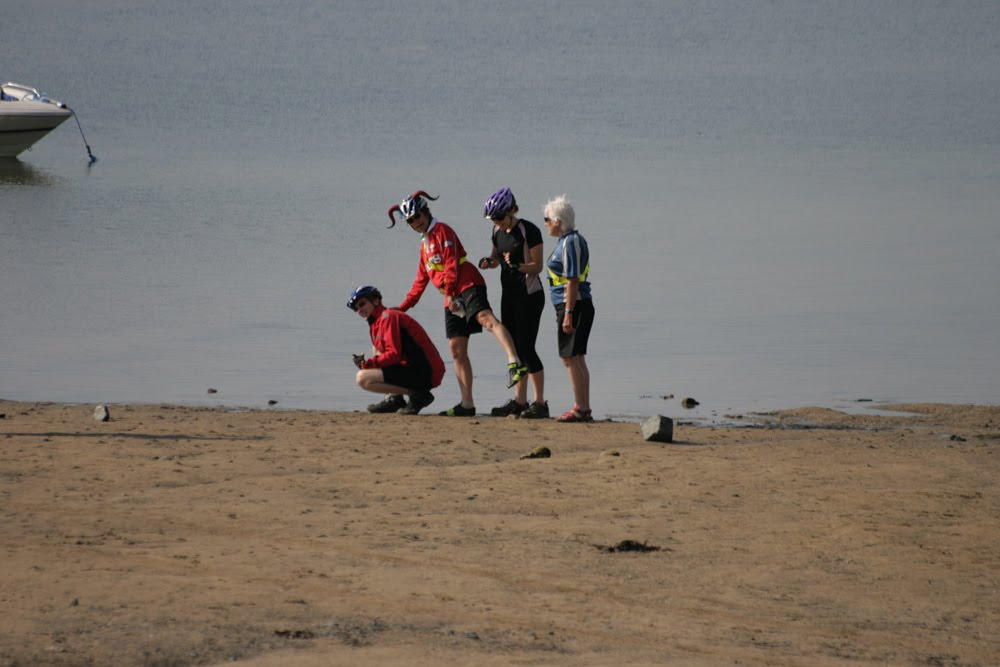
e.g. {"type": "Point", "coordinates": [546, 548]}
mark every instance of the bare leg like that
{"type": "Point", "coordinates": [521, 391]}
{"type": "Point", "coordinates": [459, 347]}
{"type": "Point", "coordinates": [579, 378]}
{"type": "Point", "coordinates": [371, 379]}
{"type": "Point", "coordinates": [584, 399]}
{"type": "Point", "coordinates": [489, 322]}
{"type": "Point", "coordinates": [537, 385]}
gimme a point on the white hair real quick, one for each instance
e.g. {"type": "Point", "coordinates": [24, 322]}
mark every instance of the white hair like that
{"type": "Point", "coordinates": [560, 209]}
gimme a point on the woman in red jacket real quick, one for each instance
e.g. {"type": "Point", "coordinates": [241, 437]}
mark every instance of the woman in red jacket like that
{"type": "Point", "coordinates": [467, 310]}
{"type": "Point", "coordinates": [404, 359]}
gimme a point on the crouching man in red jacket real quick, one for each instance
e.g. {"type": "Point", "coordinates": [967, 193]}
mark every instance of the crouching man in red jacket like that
{"type": "Point", "coordinates": [404, 360]}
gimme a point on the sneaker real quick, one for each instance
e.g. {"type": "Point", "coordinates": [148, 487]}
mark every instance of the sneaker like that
{"type": "Point", "coordinates": [418, 401]}
{"type": "Point", "coordinates": [511, 407]}
{"type": "Point", "coordinates": [458, 411]}
{"type": "Point", "coordinates": [577, 415]}
{"type": "Point", "coordinates": [536, 411]}
{"type": "Point", "coordinates": [390, 403]}
{"type": "Point", "coordinates": [515, 373]}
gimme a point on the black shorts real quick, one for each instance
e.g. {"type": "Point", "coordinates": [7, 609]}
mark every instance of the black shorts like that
{"type": "Point", "coordinates": [475, 302]}
{"type": "Point", "coordinates": [575, 344]}
{"type": "Point", "coordinates": [408, 376]}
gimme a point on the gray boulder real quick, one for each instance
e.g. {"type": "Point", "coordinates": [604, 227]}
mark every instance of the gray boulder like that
{"type": "Point", "coordinates": [658, 429]}
{"type": "Point", "coordinates": [101, 414]}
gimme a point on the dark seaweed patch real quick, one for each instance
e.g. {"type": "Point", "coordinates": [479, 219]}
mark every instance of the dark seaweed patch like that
{"type": "Point", "coordinates": [627, 545]}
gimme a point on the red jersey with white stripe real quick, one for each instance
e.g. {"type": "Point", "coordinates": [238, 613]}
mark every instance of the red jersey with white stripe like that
{"type": "Point", "coordinates": [399, 339]}
{"type": "Point", "coordinates": [442, 262]}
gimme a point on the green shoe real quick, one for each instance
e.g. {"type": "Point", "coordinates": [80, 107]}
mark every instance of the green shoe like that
{"type": "Point", "coordinates": [458, 411]}
{"type": "Point", "coordinates": [515, 373]}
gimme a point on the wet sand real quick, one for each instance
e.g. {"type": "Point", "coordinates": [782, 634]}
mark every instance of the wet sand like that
{"type": "Point", "coordinates": [174, 536]}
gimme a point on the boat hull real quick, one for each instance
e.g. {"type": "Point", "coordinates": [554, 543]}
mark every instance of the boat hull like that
{"type": "Point", "coordinates": [24, 123]}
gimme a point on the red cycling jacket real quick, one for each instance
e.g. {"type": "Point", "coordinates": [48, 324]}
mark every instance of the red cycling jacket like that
{"type": "Point", "coordinates": [399, 339]}
{"type": "Point", "coordinates": [442, 262]}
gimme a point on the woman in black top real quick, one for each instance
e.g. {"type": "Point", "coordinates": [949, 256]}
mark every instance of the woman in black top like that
{"type": "Point", "coordinates": [517, 250]}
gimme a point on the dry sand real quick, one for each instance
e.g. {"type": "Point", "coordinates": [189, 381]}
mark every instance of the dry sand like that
{"type": "Point", "coordinates": [176, 536]}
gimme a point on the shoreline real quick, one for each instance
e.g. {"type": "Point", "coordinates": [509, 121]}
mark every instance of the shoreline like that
{"type": "Point", "coordinates": [183, 535]}
{"type": "Point", "coordinates": [714, 418]}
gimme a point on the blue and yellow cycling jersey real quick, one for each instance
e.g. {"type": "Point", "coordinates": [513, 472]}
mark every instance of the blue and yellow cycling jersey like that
{"type": "Point", "coordinates": [569, 259]}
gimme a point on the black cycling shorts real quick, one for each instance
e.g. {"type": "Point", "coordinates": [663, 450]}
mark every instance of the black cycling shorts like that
{"type": "Point", "coordinates": [475, 302]}
{"type": "Point", "coordinates": [408, 377]}
{"type": "Point", "coordinates": [575, 344]}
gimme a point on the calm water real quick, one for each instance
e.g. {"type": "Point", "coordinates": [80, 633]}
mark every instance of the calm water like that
{"type": "Point", "coordinates": [791, 204]}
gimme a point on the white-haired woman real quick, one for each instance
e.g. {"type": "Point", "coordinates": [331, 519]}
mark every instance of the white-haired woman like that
{"type": "Point", "coordinates": [569, 268]}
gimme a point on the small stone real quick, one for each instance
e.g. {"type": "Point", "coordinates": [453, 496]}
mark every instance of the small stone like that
{"type": "Point", "coordinates": [658, 429]}
{"type": "Point", "coordinates": [3, 415]}
{"type": "Point", "coordinates": [272, 402]}
{"type": "Point", "coordinates": [101, 414]}
{"type": "Point", "coordinates": [611, 452]}
{"type": "Point", "coordinates": [689, 403]}
{"type": "Point", "coordinates": [957, 438]}
{"type": "Point", "coordinates": [540, 452]}
{"type": "Point", "coordinates": [213, 391]}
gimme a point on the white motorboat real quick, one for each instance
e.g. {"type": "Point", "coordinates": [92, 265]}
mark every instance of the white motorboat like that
{"type": "Point", "coordinates": [25, 117]}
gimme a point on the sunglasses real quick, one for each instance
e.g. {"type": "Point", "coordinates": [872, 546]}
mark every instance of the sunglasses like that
{"type": "Point", "coordinates": [500, 218]}
{"type": "Point", "coordinates": [414, 220]}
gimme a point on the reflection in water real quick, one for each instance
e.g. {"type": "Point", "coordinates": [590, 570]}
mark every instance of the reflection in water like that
{"type": "Point", "coordinates": [15, 172]}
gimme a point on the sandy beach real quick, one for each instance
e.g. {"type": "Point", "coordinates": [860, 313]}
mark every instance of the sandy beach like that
{"type": "Point", "coordinates": [173, 536]}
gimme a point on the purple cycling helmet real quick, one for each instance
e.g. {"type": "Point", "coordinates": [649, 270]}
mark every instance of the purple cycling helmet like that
{"type": "Point", "coordinates": [499, 204]}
